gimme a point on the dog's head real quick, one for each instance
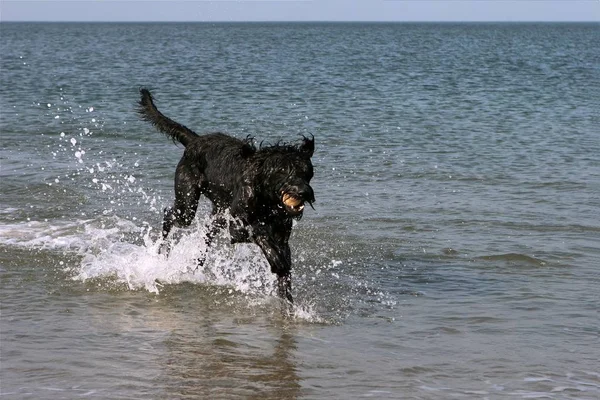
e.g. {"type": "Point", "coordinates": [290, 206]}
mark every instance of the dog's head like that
{"type": "Point", "coordinates": [287, 171]}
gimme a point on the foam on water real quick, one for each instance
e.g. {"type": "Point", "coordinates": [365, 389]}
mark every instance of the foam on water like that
{"type": "Point", "coordinates": [142, 266]}
{"type": "Point", "coordinates": [106, 249]}
{"type": "Point", "coordinates": [55, 235]}
{"type": "Point", "coordinates": [116, 249]}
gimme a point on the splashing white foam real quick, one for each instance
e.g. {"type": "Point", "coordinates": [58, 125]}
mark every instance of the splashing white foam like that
{"type": "Point", "coordinates": [241, 267]}
{"type": "Point", "coordinates": [138, 263]}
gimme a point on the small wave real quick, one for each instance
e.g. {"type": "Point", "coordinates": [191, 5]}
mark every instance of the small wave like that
{"type": "Point", "coordinates": [514, 258]}
{"type": "Point", "coordinates": [44, 234]}
{"type": "Point", "coordinates": [9, 210]}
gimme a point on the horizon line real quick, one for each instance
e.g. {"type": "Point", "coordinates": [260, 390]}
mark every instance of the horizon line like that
{"type": "Point", "coordinates": [301, 21]}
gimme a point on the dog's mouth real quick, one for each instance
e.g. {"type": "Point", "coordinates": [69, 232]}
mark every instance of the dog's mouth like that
{"type": "Point", "coordinates": [293, 204]}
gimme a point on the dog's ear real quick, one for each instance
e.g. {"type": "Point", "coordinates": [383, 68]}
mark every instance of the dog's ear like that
{"type": "Point", "coordinates": [307, 148]}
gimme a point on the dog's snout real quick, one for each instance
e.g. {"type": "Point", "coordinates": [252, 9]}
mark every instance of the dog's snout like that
{"type": "Point", "coordinates": [299, 189]}
{"type": "Point", "coordinates": [307, 194]}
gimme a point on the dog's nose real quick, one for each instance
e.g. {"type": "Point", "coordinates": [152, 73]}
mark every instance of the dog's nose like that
{"type": "Point", "coordinates": [306, 193]}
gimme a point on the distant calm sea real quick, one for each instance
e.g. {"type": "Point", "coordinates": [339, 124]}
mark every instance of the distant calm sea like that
{"type": "Point", "coordinates": [454, 251]}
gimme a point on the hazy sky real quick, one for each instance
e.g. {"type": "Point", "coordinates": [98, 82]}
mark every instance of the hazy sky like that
{"type": "Point", "coordinates": [300, 10]}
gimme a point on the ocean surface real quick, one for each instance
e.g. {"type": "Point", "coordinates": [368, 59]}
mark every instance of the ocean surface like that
{"type": "Point", "coordinates": [453, 252]}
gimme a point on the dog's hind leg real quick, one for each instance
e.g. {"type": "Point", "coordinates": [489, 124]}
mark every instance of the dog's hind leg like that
{"type": "Point", "coordinates": [168, 222]}
{"type": "Point", "coordinates": [187, 194]}
{"type": "Point", "coordinates": [218, 223]}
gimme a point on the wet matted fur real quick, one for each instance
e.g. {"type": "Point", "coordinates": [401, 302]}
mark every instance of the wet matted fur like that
{"type": "Point", "coordinates": [264, 188]}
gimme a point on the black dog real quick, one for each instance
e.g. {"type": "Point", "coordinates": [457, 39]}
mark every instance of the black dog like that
{"type": "Point", "coordinates": [264, 188]}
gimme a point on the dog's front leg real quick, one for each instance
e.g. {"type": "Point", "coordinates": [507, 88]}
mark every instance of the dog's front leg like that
{"type": "Point", "coordinates": [284, 280]}
{"type": "Point", "coordinates": [280, 260]}
{"type": "Point", "coordinates": [272, 239]}
{"type": "Point", "coordinates": [284, 287]}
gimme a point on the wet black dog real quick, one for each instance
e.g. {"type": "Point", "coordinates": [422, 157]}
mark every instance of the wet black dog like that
{"type": "Point", "coordinates": [264, 188]}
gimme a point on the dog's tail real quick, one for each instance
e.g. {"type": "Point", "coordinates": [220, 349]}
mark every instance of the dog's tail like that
{"type": "Point", "coordinates": [172, 129]}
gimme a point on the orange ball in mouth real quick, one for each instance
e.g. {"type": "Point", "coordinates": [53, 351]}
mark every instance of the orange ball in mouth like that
{"type": "Point", "coordinates": [292, 202]}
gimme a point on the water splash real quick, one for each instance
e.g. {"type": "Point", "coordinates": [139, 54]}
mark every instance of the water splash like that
{"type": "Point", "coordinates": [143, 267]}
{"type": "Point", "coordinates": [100, 224]}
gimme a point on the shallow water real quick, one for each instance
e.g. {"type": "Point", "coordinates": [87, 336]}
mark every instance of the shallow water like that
{"type": "Point", "coordinates": [453, 252]}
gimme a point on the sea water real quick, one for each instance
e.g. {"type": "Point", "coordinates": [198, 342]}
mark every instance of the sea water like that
{"type": "Point", "coordinates": [453, 251]}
